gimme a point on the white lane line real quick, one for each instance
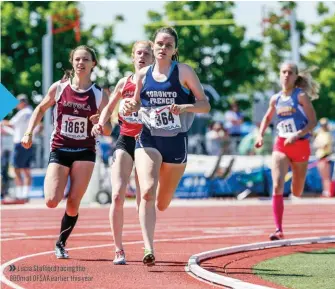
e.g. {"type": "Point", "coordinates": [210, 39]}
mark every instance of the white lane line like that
{"type": "Point", "coordinates": [10, 262]}
{"type": "Point", "coordinates": [187, 203]}
{"type": "Point", "coordinates": [195, 260]}
{"type": "Point", "coordinates": [226, 219]}
{"type": "Point", "coordinates": [266, 224]}
{"type": "Point", "coordinates": [12, 234]}
{"type": "Point", "coordinates": [218, 230]}
{"type": "Point", "coordinates": [246, 230]}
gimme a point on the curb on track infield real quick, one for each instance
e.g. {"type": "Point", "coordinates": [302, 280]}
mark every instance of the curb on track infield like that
{"type": "Point", "coordinates": [195, 260]}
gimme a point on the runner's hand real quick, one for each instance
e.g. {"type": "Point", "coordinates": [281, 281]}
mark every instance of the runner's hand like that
{"type": "Point", "coordinates": [291, 139]}
{"type": "Point", "coordinates": [129, 106]}
{"type": "Point", "coordinates": [27, 141]}
{"type": "Point", "coordinates": [95, 118]}
{"type": "Point", "coordinates": [97, 129]}
{"type": "Point", "coordinates": [259, 142]}
{"type": "Point", "coordinates": [177, 108]}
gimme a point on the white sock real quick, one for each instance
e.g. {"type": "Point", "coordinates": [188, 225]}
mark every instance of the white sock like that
{"type": "Point", "coordinates": [325, 194]}
{"type": "Point", "coordinates": [18, 192]}
{"type": "Point", "coordinates": [25, 192]}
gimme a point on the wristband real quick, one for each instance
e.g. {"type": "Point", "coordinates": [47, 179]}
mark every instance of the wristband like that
{"type": "Point", "coordinates": [28, 134]}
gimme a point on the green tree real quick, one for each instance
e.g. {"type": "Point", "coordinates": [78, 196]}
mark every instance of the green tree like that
{"type": "Point", "coordinates": [277, 34]}
{"type": "Point", "coordinates": [23, 25]}
{"type": "Point", "coordinates": [323, 57]}
{"type": "Point", "coordinates": [220, 54]}
{"type": "Point", "coordinates": [319, 54]}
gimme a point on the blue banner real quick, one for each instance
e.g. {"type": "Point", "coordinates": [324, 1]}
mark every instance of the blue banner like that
{"type": "Point", "coordinates": [8, 102]}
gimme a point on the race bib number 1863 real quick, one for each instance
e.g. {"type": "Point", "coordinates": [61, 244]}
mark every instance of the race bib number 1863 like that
{"type": "Point", "coordinates": [74, 127]}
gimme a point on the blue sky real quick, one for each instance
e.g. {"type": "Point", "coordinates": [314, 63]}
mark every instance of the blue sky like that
{"type": "Point", "coordinates": [248, 14]}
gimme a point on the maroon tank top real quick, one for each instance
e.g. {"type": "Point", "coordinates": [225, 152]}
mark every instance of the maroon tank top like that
{"type": "Point", "coordinates": [72, 127]}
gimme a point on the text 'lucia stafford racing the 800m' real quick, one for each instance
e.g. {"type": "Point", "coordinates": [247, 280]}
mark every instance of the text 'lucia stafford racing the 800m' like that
{"type": "Point", "coordinates": [49, 268]}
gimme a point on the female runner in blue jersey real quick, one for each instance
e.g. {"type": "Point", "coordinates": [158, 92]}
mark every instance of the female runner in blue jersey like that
{"type": "Point", "coordinates": [169, 94]}
{"type": "Point", "coordinates": [296, 119]}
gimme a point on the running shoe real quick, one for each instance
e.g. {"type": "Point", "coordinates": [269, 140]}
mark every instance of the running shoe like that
{"type": "Point", "coordinates": [60, 251]}
{"type": "Point", "coordinates": [149, 258]}
{"type": "Point", "coordinates": [120, 258]}
{"type": "Point", "coordinates": [278, 235]}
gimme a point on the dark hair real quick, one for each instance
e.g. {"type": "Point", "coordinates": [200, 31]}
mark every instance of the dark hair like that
{"type": "Point", "coordinates": [305, 81]}
{"type": "Point", "coordinates": [69, 73]}
{"type": "Point", "coordinates": [172, 32]}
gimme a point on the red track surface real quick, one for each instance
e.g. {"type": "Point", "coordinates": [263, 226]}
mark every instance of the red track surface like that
{"type": "Point", "coordinates": [180, 233]}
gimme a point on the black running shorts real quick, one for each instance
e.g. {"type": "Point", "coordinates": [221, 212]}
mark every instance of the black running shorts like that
{"type": "Point", "coordinates": [67, 158]}
{"type": "Point", "coordinates": [127, 144]}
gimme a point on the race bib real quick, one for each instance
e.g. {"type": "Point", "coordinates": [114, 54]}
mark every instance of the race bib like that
{"type": "Point", "coordinates": [162, 118]}
{"type": "Point", "coordinates": [74, 127]}
{"type": "Point", "coordinates": [132, 118]}
{"type": "Point", "coordinates": [286, 127]}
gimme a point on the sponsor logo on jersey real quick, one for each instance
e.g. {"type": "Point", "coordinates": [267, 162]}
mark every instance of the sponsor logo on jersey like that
{"type": "Point", "coordinates": [76, 105]}
{"type": "Point", "coordinates": [285, 110]}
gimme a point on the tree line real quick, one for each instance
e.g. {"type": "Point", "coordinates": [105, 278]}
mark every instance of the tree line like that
{"type": "Point", "coordinates": [221, 55]}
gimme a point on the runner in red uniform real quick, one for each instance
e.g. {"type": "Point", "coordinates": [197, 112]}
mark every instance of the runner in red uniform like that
{"type": "Point", "coordinates": [123, 157]}
{"type": "Point", "coordinates": [76, 102]}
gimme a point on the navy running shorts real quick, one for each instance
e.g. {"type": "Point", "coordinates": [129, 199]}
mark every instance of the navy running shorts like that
{"type": "Point", "coordinates": [22, 157]}
{"type": "Point", "coordinates": [173, 149]}
{"type": "Point", "coordinates": [67, 158]}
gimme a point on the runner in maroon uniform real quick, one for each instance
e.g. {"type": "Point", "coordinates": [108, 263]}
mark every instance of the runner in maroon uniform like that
{"type": "Point", "coordinates": [77, 101]}
{"type": "Point", "coordinates": [123, 157]}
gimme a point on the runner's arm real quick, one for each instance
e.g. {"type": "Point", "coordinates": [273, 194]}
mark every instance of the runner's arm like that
{"type": "Point", "coordinates": [107, 126]}
{"type": "Point", "coordinates": [268, 116]}
{"type": "Point", "coordinates": [38, 113]}
{"type": "Point", "coordinates": [308, 108]}
{"type": "Point", "coordinates": [134, 104]}
{"type": "Point", "coordinates": [189, 79]}
{"type": "Point", "coordinates": [115, 97]}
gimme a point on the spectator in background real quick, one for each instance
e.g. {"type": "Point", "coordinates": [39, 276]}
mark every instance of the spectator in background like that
{"type": "Point", "coordinates": [246, 146]}
{"type": "Point", "coordinates": [21, 157]}
{"type": "Point", "coordinates": [233, 119]}
{"type": "Point", "coordinates": [323, 145]}
{"type": "Point", "coordinates": [215, 138]}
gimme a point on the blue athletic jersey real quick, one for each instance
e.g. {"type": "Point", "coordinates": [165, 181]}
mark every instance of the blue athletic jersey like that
{"type": "Point", "coordinates": [156, 99]}
{"type": "Point", "coordinates": [290, 115]}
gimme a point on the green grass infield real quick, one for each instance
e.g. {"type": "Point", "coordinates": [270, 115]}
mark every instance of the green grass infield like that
{"type": "Point", "coordinates": [304, 270]}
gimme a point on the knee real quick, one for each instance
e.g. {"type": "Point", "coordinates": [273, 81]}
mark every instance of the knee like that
{"type": "Point", "coordinates": [51, 203]}
{"type": "Point", "coordinates": [148, 196]}
{"type": "Point", "coordinates": [297, 189]}
{"type": "Point", "coordinates": [161, 207]}
{"type": "Point", "coordinates": [117, 200]}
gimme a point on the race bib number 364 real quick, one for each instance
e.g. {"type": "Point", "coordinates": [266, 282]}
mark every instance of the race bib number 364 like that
{"type": "Point", "coordinates": [162, 118]}
{"type": "Point", "coordinates": [74, 127]}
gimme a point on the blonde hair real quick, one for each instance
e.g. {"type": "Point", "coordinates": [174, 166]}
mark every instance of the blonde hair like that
{"type": "Point", "coordinates": [305, 81]}
{"type": "Point", "coordinates": [147, 43]}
